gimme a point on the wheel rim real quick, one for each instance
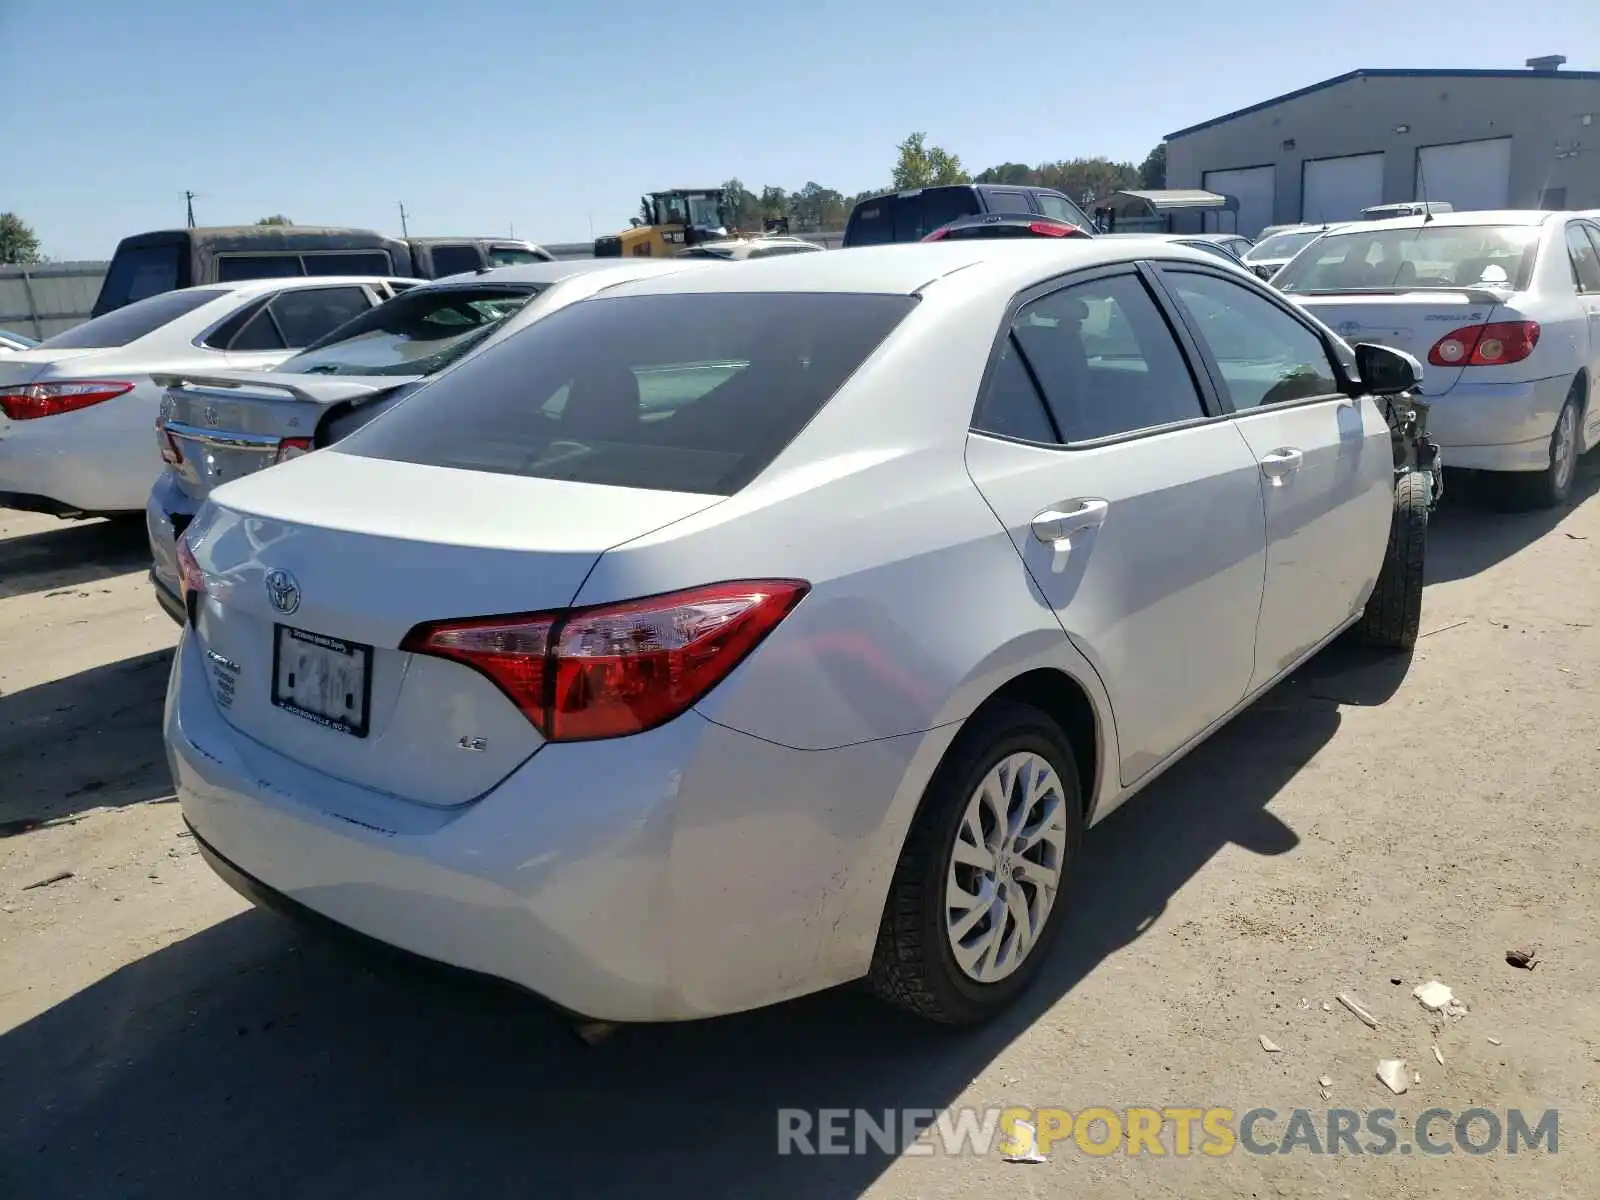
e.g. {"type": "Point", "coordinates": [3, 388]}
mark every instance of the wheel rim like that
{"type": "Point", "coordinates": [1563, 443]}
{"type": "Point", "coordinates": [1005, 867]}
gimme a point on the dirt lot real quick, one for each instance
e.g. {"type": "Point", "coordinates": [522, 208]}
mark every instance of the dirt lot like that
{"type": "Point", "coordinates": [1369, 826]}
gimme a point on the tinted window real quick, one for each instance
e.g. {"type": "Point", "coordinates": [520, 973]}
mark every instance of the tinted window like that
{"type": "Point", "coordinates": [416, 334]}
{"type": "Point", "coordinates": [138, 274]}
{"type": "Point", "coordinates": [1011, 406]}
{"type": "Point", "coordinates": [224, 335]}
{"type": "Point", "coordinates": [231, 268]}
{"type": "Point", "coordinates": [1264, 354]}
{"type": "Point", "coordinates": [1054, 204]}
{"type": "Point", "coordinates": [307, 314]}
{"type": "Point", "coordinates": [453, 260]}
{"type": "Point", "coordinates": [259, 331]}
{"type": "Point", "coordinates": [872, 223]}
{"type": "Point", "coordinates": [917, 216]}
{"type": "Point", "coordinates": [678, 392]}
{"type": "Point", "coordinates": [132, 322]}
{"type": "Point", "coordinates": [1106, 360]}
{"type": "Point", "coordinates": [1014, 202]}
{"type": "Point", "coordinates": [1585, 267]}
{"type": "Point", "coordinates": [348, 262]}
{"type": "Point", "coordinates": [1415, 257]}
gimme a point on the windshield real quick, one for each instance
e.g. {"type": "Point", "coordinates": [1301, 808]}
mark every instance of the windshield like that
{"type": "Point", "coordinates": [1413, 258]}
{"type": "Point", "coordinates": [1282, 245]}
{"type": "Point", "coordinates": [705, 212]}
{"type": "Point", "coordinates": [137, 273]}
{"type": "Point", "coordinates": [417, 333]}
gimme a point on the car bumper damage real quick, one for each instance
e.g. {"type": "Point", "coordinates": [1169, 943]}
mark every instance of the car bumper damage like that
{"type": "Point", "coordinates": [1498, 426]}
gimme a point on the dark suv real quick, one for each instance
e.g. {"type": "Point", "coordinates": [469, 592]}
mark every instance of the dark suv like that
{"type": "Point", "coordinates": [911, 215]}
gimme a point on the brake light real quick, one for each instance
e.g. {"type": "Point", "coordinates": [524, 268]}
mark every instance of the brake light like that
{"type": "Point", "coordinates": [171, 452]}
{"type": "Point", "coordinates": [615, 669]}
{"type": "Point", "coordinates": [190, 577]}
{"type": "Point", "coordinates": [292, 448]}
{"type": "Point", "coordinates": [1051, 229]}
{"type": "Point", "coordinates": [938, 235]}
{"type": "Point", "coordinates": [1491, 345]}
{"type": "Point", "coordinates": [33, 400]}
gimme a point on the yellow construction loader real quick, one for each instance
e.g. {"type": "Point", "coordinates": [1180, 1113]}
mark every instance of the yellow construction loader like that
{"type": "Point", "coordinates": [671, 222]}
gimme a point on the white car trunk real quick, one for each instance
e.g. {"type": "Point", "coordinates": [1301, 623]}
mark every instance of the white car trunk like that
{"type": "Point", "coordinates": [1409, 321]}
{"type": "Point", "coordinates": [30, 366]}
{"type": "Point", "coordinates": [366, 566]}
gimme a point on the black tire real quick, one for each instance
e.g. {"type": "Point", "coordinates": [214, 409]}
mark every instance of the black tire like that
{"type": "Point", "coordinates": [913, 966]}
{"type": "Point", "coordinates": [1394, 610]}
{"type": "Point", "coordinates": [1549, 488]}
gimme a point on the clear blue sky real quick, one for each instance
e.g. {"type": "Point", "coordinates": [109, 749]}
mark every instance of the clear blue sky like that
{"type": "Point", "coordinates": [547, 114]}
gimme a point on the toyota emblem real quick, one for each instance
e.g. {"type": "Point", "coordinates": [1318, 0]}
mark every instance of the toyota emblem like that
{"type": "Point", "coordinates": [283, 591]}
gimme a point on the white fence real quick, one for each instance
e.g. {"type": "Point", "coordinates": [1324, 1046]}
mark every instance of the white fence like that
{"type": "Point", "coordinates": [44, 299]}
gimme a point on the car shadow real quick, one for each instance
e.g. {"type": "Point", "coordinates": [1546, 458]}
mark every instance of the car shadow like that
{"type": "Point", "coordinates": [1469, 533]}
{"type": "Point", "coordinates": [91, 740]}
{"type": "Point", "coordinates": [255, 1058]}
{"type": "Point", "coordinates": [73, 554]}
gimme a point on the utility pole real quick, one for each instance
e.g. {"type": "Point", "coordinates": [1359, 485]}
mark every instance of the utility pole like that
{"type": "Point", "coordinates": [189, 200]}
{"type": "Point", "coordinates": [404, 230]}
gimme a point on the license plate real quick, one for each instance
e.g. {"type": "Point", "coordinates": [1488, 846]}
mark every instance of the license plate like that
{"type": "Point", "coordinates": [323, 679]}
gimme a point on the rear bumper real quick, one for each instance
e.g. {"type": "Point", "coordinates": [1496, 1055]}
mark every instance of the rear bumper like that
{"type": "Point", "coordinates": [1498, 426]}
{"type": "Point", "coordinates": [167, 512]}
{"type": "Point", "coordinates": [680, 873]}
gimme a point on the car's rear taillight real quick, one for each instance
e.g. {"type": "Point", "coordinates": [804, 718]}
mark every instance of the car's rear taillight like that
{"type": "Point", "coordinates": [191, 578]}
{"type": "Point", "coordinates": [33, 400]}
{"type": "Point", "coordinates": [171, 452]}
{"type": "Point", "coordinates": [292, 448]}
{"type": "Point", "coordinates": [1491, 345]}
{"type": "Point", "coordinates": [938, 235]}
{"type": "Point", "coordinates": [1052, 229]}
{"type": "Point", "coordinates": [615, 669]}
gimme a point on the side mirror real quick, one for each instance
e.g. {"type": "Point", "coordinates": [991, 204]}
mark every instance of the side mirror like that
{"type": "Point", "coordinates": [1385, 371]}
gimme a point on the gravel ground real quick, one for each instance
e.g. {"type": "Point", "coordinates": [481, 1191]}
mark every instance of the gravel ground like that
{"type": "Point", "coordinates": [1367, 827]}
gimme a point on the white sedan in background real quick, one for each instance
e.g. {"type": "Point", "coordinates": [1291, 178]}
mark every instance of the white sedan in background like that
{"type": "Point", "coordinates": [740, 632]}
{"type": "Point", "coordinates": [1503, 307]}
{"type": "Point", "coordinates": [77, 411]}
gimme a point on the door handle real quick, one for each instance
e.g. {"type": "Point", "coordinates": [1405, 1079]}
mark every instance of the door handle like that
{"type": "Point", "coordinates": [1055, 526]}
{"type": "Point", "coordinates": [1281, 463]}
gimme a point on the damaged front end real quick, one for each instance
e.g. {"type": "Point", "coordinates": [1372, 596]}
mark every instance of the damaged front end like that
{"type": "Point", "coordinates": [1414, 449]}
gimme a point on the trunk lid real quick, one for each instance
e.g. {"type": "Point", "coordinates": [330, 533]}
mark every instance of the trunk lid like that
{"type": "Point", "coordinates": [230, 424]}
{"type": "Point", "coordinates": [29, 366]}
{"type": "Point", "coordinates": [1409, 321]}
{"type": "Point", "coordinates": [373, 548]}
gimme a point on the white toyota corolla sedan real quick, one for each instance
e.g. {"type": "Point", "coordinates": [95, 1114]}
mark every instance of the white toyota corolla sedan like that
{"type": "Point", "coordinates": [737, 633]}
{"type": "Point", "coordinates": [1504, 308]}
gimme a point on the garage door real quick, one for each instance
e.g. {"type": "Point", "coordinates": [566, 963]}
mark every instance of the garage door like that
{"type": "Point", "coordinates": [1466, 175]}
{"type": "Point", "coordinates": [1337, 189]}
{"type": "Point", "coordinates": [1255, 190]}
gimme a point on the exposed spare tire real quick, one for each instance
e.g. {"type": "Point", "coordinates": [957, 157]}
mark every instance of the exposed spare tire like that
{"type": "Point", "coordinates": [1393, 614]}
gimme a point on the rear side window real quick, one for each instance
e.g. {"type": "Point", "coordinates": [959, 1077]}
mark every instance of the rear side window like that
{"type": "Point", "coordinates": [679, 392]}
{"type": "Point", "coordinates": [1105, 359]}
{"type": "Point", "coordinates": [306, 314]}
{"type": "Point", "coordinates": [872, 223]}
{"type": "Point", "coordinates": [132, 322]}
{"type": "Point", "coordinates": [348, 262]}
{"type": "Point", "coordinates": [234, 268]}
{"type": "Point", "coordinates": [453, 260]}
{"type": "Point", "coordinates": [138, 274]}
{"type": "Point", "coordinates": [1008, 202]}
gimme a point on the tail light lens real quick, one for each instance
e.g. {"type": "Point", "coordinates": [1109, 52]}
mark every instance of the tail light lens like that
{"type": "Point", "coordinates": [171, 452]}
{"type": "Point", "coordinates": [191, 578]}
{"type": "Point", "coordinates": [292, 448]}
{"type": "Point", "coordinates": [615, 669]}
{"type": "Point", "coordinates": [33, 400]}
{"type": "Point", "coordinates": [1051, 229]}
{"type": "Point", "coordinates": [1492, 345]}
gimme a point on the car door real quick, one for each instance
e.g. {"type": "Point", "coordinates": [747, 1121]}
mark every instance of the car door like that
{"type": "Point", "coordinates": [1325, 459]}
{"type": "Point", "coordinates": [1583, 247]}
{"type": "Point", "coordinates": [1135, 509]}
{"type": "Point", "coordinates": [292, 319]}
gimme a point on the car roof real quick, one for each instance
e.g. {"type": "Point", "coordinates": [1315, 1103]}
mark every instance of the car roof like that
{"type": "Point", "coordinates": [1003, 264]}
{"type": "Point", "coordinates": [1505, 216]}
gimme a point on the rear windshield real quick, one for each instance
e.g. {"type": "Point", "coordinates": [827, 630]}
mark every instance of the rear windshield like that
{"type": "Point", "coordinates": [1282, 245]}
{"type": "Point", "coordinates": [139, 273]}
{"type": "Point", "coordinates": [514, 256]}
{"type": "Point", "coordinates": [132, 322]}
{"type": "Point", "coordinates": [1416, 257]}
{"type": "Point", "coordinates": [909, 218]}
{"type": "Point", "coordinates": [417, 333]}
{"type": "Point", "coordinates": [680, 392]}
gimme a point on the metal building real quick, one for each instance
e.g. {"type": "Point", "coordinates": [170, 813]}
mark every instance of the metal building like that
{"type": "Point", "coordinates": [1474, 139]}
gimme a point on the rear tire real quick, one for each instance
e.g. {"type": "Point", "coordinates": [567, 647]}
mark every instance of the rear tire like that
{"type": "Point", "coordinates": [1550, 487]}
{"type": "Point", "coordinates": [914, 965]}
{"type": "Point", "coordinates": [1393, 614]}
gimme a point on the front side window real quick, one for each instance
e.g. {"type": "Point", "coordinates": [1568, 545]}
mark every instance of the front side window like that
{"type": "Point", "coordinates": [683, 392]}
{"type": "Point", "coordinates": [1585, 265]}
{"type": "Point", "coordinates": [133, 321]}
{"type": "Point", "coordinates": [306, 314]}
{"type": "Point", "coordinates": [420, 333]}
{"type": "Point", "coordinates": [1415, 258]}
{"type": "Point", "coordinates": [1105, 359]}
{"type": "Point", "coordinates": [1265, 356]}
{"type": "Point", "coordinates": [454, 260]}
{"type": "Point", "coordinates": [1062, 209]}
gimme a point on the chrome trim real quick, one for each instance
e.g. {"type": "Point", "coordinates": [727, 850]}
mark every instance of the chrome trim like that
{"type": "Point", "coordinates": [242, 441]}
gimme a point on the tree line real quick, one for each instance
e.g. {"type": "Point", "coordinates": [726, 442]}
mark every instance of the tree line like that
{"type": "Point", "coordinates": [812, 208]}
